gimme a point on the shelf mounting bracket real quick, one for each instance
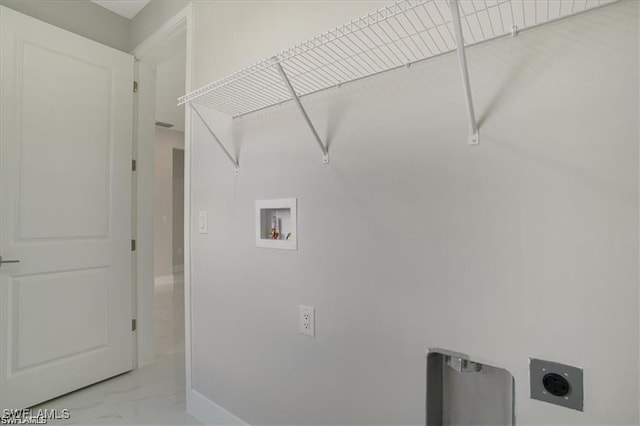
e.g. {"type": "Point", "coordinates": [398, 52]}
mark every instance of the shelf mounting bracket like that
{"type": "Point", "coordinates": [213, 134]}
{"type": "Point", "coordinates": [474, 136]}
{"type": "Point", "coordinates": [294, 96]}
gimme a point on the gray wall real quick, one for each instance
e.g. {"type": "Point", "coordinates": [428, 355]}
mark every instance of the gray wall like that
{"type": "Point", "coordinates": [178, 208]}
{"type": "Point", "coordinates": [166, 141]}
{"type": "Point", "coordinates": [81, 17]}
{"type": "Point", "coordinates": [524, 246]}
{"type": "Point", "coordinates": [97, 23]}
{"type": "Point", "coordinates": [152, 17]}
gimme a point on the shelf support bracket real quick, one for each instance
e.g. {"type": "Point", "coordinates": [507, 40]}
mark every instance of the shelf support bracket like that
{"type": "Point", "coordinates": [294, 96]}
{"type": "Point", "coordinates": [213, 134]}
{"type": "Point", "coordinates": [474, 137]}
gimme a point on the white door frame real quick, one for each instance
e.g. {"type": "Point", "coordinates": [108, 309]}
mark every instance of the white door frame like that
{"type": "Point", "coordinates": [143, 205]}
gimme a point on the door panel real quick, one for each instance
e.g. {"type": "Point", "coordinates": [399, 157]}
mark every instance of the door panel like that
{"type": "Point", "coordinates": [65, 211]}
{"type": "Point", "coordinates": [80, 89]}
{"type": "Point", "coordinates": [83, 293]}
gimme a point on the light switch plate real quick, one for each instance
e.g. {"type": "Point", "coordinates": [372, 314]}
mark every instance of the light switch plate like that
{"type": "Point", "coordinates": [203, 226]}
{"type": "Point", "coordinates": [556, 383]}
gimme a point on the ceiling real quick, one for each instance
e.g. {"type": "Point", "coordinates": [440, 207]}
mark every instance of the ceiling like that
{"type": "Point", "coordinates": [126, 8]}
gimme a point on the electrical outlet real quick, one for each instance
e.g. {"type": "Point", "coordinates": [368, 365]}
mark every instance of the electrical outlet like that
{"type": "Point", "coordinates": [307, 320]}
{"type": "Point", "coordinates": [556, 383]}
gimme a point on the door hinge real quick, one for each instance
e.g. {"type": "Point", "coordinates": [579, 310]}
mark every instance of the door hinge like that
{"type": "Point", "coordinates": [133, 165]}
{"type": "Point", "coordinates": [134, 326]}
{"type": "Point", "coordinates": [133, 245]}
{"type": "Point", "coordinates": [135, 87]}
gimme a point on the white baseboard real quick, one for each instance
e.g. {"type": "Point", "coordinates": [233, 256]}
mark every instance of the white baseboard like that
{"type": "Point", "coordinates": [208, 412]}
{"type": "Point", "coordinates": [178, 268]}
{"type": "Point", "coordinates": [163, 280]}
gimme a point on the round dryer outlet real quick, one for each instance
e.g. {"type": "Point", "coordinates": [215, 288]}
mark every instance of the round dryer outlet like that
{"type": "Point", "coordinates": [555, 384]}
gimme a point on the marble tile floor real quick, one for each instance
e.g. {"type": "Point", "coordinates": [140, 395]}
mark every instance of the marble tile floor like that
{"type": "Point", "coordinates": [169, 317]}
{"type": "Point", "coordinates": [152, 395]}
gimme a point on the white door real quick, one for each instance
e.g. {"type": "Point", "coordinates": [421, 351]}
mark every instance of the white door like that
{"type": "Point", "coordinates": [65, 211]}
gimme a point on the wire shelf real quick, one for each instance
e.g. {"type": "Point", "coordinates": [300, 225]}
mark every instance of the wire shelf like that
{"type": "Point", "coordinates": [394, 36]}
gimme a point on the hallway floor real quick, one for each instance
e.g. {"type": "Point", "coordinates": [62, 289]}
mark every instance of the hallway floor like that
{"type": "Point", "coordinates": [169, 317]}
{"type": "Point", "coordinates": [152, 395]}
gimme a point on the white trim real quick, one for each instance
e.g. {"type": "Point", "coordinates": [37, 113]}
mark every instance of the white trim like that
{"type": "Point", "coordinates": [178, 268]}
{"type": "Point", "coordinates": [208, 412]}
{"type": "Point", "coordinates": [170, 28]}
{"type": "Point", "coordinates": [163, 280]}
{"type": "Point", "coordinates": [143, 215]}
{"type": "Point", "coordinates": [187, 200]}
{"type": "Point", "coordinates": [135, 261]}
{"type": "Point", "coordinates": [183, 20]}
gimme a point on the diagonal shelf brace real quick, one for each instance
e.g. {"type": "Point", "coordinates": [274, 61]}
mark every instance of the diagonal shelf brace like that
{"type": "Point", "coordinates": [474, 137]}
{"type": "Point", "coordinates": [294, 96]}
{"type": "Point", "coordinates": [229, 156]}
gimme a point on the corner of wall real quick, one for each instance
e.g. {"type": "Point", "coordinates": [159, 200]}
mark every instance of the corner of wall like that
{"type": "Point", "coordinates": [208, 412]}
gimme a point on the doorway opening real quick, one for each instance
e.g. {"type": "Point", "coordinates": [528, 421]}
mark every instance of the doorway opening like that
{"type": "Point", "coordinates": [163, 73]}
{"type": "Point", "coordinates": [169, 61]}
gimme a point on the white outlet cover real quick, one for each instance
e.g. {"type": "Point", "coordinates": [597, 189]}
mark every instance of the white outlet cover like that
{"type": "Point", "coordinates": [307, 320]}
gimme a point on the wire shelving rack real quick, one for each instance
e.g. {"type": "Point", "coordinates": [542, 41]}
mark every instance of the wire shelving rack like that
{"type": "Point", "coordinates": [395, 36]}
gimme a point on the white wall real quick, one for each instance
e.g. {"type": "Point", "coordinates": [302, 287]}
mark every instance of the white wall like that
{"type": "Point", "coordinates": [166, 141]}
{"type": "Point", "coordinates": [525, 246]}
{"type": "Point", "coordinates": [81, 17]}
{"type": "Point", "coordinates": [248, 31]}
